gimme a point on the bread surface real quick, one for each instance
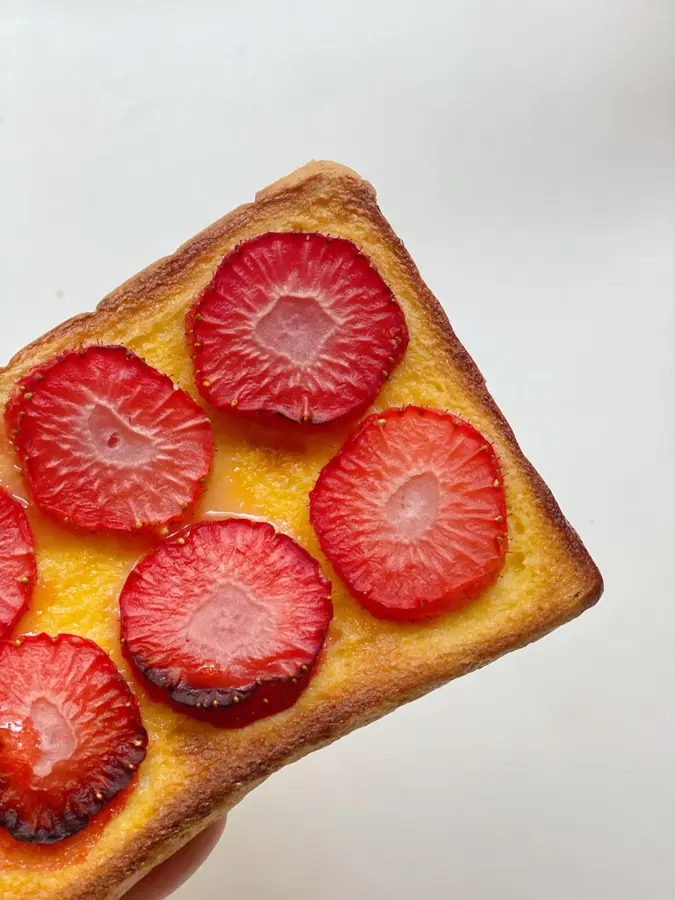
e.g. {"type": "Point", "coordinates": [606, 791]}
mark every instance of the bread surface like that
{"type": "Point", "coordinates": [194, 772]}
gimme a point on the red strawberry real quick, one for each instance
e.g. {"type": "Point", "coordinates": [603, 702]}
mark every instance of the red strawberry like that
{"type": "Point", "coordinates": [70, 735]}
{"type": "Point", "coordinates": [17, 562]}
{"type": "Point", "coordinates": [298, 325]}
{"type": "Point", "coordinates": [226, 614]}
{"type": "Point", "coordinates": [13, 407]}
{"type": "Point", "coordinates": [412, 513]}
{"type": "Point", "coordinates": [107, 442]}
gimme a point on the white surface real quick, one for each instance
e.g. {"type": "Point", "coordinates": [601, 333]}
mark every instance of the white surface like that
{"type": "Point", "coordinates": [525, 152]}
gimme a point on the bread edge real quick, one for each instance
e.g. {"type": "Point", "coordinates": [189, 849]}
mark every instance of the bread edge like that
{"type": "Point", "coordinates": [183, 820]}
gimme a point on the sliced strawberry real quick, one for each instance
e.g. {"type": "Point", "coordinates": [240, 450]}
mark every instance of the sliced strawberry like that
{"type": "Point", "coordinates": [412, 513]}
{"type": "Point", "coordinates": [13, 407]}
{"type": "Point", "coordinates": [227, 613]}
{"type": "Point", "coordinates": [17, 562]}
{"type": "Point", "coordinates": [70, 735]}
{"type": "Point", "coordinates": [297, 325]}
{"type": "Point", "coordinates": [107, 442]}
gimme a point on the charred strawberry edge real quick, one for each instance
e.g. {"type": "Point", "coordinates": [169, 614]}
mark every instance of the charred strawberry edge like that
{"type": "Point", "coordinates": [213, 699]}
{"type": "Point", "coordinates": [216, 698]}
{"type": "Point", "coordinates": [126, 769]}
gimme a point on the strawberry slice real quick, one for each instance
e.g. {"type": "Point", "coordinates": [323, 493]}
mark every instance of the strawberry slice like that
{"type": "Point", "coordinates": [224, 611]}
{"type": "Point", "coordinates": [70, 735]}
{"type": "Point", "coordinates": [13, 407]}
{"type": "Point", "coordinates": [17, 562]}
{"type": "Point", "coordinates": [298, 325]}
{"type": "Point", "coordinates": [412, 513]}
{"type": "Point", "coordinates": [107, 442]}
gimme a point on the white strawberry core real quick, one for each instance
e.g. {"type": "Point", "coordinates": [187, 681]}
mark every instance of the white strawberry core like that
{"type": "Point", "coordinates": [295, 327]}
{"type": "Point", "coordinates": [413, 507]}
{"type": "Point", "coordinates": [57, 739]}
{"type": "Point", "coordinates": [115, 440]}
{"type": "Point", "coordinates": [233, 625]}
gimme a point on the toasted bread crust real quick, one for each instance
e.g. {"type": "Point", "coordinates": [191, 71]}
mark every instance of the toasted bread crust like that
{"type": "Point", "coordinates": [222, 779]}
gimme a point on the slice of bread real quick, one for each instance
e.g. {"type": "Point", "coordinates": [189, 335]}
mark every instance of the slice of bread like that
{"type": "Point", "coordinates": [194, 772]}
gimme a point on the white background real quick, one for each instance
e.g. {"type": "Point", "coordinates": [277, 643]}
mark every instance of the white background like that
{"type": "Point", "coordinates": [525, 151]}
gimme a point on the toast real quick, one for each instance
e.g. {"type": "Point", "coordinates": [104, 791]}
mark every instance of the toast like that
{"type": "Point", "coordinates": [194, 772]}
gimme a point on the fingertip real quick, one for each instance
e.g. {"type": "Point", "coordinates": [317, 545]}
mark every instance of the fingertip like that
{"type": "Point", "coordinates": [172, 873]}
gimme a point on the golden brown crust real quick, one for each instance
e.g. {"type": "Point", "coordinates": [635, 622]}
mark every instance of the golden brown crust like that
{"type": "Point", "coordinates": [221, 780]}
